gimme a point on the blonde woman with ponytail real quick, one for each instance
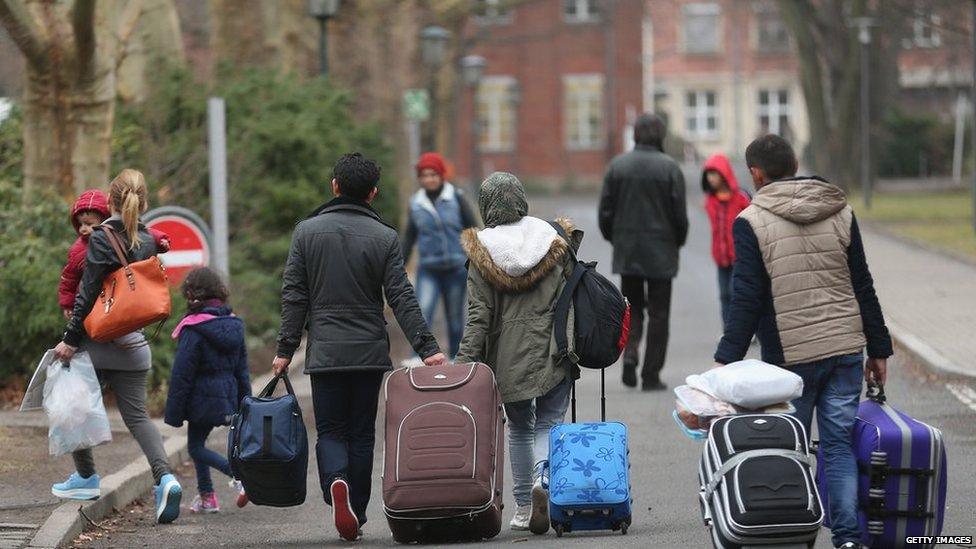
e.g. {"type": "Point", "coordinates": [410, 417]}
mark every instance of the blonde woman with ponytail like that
{"type": "Point", "coordinates": [124, 363]}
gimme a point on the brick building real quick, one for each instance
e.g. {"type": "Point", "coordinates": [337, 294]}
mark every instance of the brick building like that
{"type": "Point", "coordinates": [565, 79]}
{"type": "Point", "coordinates": [562, 79]}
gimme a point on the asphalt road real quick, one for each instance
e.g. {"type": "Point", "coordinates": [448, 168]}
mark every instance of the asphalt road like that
{"type": "Point", "coordinates": [666, 512]}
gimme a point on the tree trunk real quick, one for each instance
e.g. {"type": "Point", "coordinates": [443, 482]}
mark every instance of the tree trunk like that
{"type": "Point", "coordinates": [69, 96]}
{"type": "Point", "coordinates": [155, 42]}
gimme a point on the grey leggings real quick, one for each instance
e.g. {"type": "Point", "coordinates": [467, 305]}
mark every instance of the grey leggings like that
{"type": "Point", "coordinates": [130, 394]}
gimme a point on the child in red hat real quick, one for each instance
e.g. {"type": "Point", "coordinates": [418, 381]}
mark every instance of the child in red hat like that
{"type": "Point", "coordinates": [89, 211]}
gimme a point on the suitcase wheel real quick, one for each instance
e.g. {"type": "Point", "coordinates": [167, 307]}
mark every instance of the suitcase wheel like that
{"type": "Point", "coordinates": [623, 528]}
{"type": "Point", "coordinates": [558, 527]}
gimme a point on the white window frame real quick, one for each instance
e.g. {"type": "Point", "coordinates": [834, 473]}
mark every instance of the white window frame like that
{"type": "Point", "coordinates": [701, 112]}
{"type": "Point", "coordinates": [761, 12]}
{"type": "Point", "coordinates": [701, 9]}
{"type": "Point", "coordinates": [587, 141]}
{"type": "Point", "coordinates": [496, 12]}
{"type": "Point", "coordinates": [495, 95]}
{"type": "Point", "coordinates": [587, 11]}
{"type": "Point", "coordinates": [920, 23]}
{"type": "Point", "coordinates": [774, 109]}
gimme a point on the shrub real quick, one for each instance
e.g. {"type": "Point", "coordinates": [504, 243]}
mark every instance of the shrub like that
{"type": "Point", "coordinates": [915, 145]}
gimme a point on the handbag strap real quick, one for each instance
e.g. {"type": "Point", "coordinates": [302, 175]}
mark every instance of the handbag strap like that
{"type": "Point", "coordinates": [116, 243]}
{"type": "Point", "coordinates": [270, 387]}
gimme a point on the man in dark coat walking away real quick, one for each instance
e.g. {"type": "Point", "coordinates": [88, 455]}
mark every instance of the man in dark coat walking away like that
{"type": "Point", "coordinates": [343, 260]}
{"type": "Point", "coordinates": [643, 214]}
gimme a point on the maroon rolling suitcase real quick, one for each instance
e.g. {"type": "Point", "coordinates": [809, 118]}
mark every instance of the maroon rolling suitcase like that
{"type": "Point", "coordinates": [443, 458]}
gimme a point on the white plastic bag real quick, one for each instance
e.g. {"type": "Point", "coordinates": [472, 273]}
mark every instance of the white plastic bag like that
{"type": "Point", "coordinates": [73, 403]}
{"type": "Point", "coordinates": [749, 383]}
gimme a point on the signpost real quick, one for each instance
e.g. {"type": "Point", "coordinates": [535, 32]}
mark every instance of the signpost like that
{"type": "Point", "coordinates": [189, 240]}
{"type": "Point", "coordinates": [416, 109]}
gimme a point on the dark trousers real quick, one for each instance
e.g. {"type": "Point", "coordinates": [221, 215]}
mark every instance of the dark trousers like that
{"type": "Point", "coordinates": [345, 420]}
{"type": "Point", "coordinates": [655, 296]}
{"type": "Point", "coordinates": [725, 291]}
{"type": "Point", "coordinates": [204, 458]}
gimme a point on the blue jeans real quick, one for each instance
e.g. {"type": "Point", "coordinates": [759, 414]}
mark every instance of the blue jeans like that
{"type": "Point", "coordinates": [833, 387]}
{"type": "Point", "coordinates": [452, 285]}
{"type": "Point", "coordinates": [529, 422]}
{"type": "Point", "coordinates": [204, 458]}
{"type": "Point", "coordinates": [345, 421]}
{"type": "Point", "coordinates": [725, 291]}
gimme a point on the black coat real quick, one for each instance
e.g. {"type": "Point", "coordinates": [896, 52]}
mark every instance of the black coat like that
{"type": "Point", "coordinates": [642, 212]}
{"type": "Point", "coordinates": [343, 261]}
{"type": "Point", "coordinates": [100, 261]}
{"type": "Point", "coordinates": [210, 374]}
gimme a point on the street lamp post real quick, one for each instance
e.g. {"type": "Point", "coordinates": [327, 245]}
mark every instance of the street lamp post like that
{"type": "Point", "coordinates": [472, 70]}
{"type": "Point", "coordinates": [864, 25]}
{"type": "Point", "coordinates": [972, 110]}
{"type": "Point", "coordinates": [515, 99]}
{"type": "Point", "coordinates": [433, 50]}
{"type": "Point", "coordinates": [323, 10]}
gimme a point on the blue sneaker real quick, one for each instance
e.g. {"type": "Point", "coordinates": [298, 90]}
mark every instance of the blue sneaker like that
{"type": "Point", "coordinates": [77, 487]}
{"type": "Point", "coordinates": [168, 494]}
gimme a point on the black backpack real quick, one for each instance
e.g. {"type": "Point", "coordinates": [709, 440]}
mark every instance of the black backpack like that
{"type": "Point", "coordinates": [602, 315]}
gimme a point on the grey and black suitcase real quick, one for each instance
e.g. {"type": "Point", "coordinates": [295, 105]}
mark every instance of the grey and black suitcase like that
{"type": "Point", "coordinates": [756, 484]}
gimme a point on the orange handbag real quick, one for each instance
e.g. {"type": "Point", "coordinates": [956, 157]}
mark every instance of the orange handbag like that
{"type": "Point", "coordinates": [133, 296]}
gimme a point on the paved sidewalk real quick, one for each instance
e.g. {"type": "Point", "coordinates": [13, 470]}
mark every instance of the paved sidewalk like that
{"type": "Point", "coordinates": [929, 301]}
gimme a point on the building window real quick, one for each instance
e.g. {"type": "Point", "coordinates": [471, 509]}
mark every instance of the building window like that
{"type": "Point", "coordinates": [493, 12]}
{"type": "Point", "coordinates": [702, 27]}
{"type": "Point", "coordinates": [496, 113]}
{"type": "Point", "coordinates": [581, 11]}
{"type": "Point", "coordinates": [925, 31]}
{"type": "Point", "coordinates": [701, 114]}
{"type": "Point", "coordinates": [583, 111]}
{"type": "Point", "coordinates": [771, 33]}
{"type": "Point", "coordinates": [774, 112]}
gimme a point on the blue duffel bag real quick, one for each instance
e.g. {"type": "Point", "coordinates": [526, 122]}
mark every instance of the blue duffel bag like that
{"type": "Point", "coordinates": [268, 447]}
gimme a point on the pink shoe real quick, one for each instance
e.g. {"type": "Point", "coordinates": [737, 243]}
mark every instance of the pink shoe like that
{"type": "Point", "coordinates": [345, 519]}
{"type": "Point", "coordinates": [205, 503]}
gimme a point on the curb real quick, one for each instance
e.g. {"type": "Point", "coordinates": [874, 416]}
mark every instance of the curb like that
{"type": "Point", "coordinates": [119, 489]}
{"type": "Point", "coordinates": [925, 354]}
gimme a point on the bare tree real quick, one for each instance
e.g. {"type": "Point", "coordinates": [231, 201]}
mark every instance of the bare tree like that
{"type": "Point", "coordinates": [827, 49]}
{"type": "Point", "coordinates": [72, 51]}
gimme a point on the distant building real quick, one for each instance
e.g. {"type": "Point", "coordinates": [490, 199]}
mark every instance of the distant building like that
{"type": "Point", "coordinates": [562, 81]}
{"type": "Point", "coordinates": [565, 79]}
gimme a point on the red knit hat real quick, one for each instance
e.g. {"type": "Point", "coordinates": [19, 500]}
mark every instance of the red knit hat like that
{"type": "Point", "coordinates": [432, 161]}
{"type": "Point", "coordinates": [92, 200]}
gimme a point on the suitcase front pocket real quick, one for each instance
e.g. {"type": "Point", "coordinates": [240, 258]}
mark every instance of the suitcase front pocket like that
{"type": "Point", "coordinates": [437, 441]}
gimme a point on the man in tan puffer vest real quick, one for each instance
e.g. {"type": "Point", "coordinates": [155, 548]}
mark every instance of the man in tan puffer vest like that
{"type": "Point", "coordinates": [801, 283]}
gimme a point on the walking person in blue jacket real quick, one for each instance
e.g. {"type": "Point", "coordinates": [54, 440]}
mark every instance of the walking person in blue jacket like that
{"type": "Point", "coordinates": [438, 213]}
{"type": "Point", "coordinates": [209, 378]}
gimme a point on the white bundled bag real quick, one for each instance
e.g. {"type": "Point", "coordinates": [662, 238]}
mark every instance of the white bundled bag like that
{"type": "Point", "coordinates": [749, 383]}
{"type": "Point", "coordinates": [73, 403]}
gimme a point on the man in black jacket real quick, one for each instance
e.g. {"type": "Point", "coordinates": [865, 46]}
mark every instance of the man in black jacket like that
{"type": "Point", "coordinates": [343, 260]}
{"type": "Point", "coordinates": [642, 212]}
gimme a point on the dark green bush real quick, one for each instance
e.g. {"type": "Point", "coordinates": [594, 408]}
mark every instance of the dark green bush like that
{"type": "Point", "coordinates": [915, 145]}
{"type": "Point", "coordinates": [34, 242]}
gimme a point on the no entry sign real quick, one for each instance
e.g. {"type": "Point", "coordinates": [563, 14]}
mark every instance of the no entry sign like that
{"type": "Point", "coordinates": [189, 240]}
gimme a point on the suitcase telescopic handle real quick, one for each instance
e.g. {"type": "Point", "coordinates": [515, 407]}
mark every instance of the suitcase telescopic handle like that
{"type": "Point", "coordinates": [603, 396]}
{"type": "Point", "coordinates": [270, 387]}
{"type": "Point", "coordinates": [875, 392]}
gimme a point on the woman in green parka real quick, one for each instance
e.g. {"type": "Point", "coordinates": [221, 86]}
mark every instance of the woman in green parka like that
{"type": "Point", "coordinates": [518, 266]}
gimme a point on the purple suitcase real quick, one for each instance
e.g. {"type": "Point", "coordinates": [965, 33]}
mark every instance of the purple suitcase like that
{"type": "Point", "coordinates": [901, 474]}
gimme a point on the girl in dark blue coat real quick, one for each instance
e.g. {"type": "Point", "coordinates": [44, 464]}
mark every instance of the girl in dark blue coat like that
{"type": "Point", "coordinates": [209, 378]}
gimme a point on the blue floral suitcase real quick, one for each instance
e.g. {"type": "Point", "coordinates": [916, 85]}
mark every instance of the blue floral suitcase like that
{"type": "Point", "coordinates": [589, 474]}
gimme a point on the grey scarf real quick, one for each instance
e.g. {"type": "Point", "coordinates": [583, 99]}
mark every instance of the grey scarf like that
{"type": "Point", "coordinates": [501, 200]}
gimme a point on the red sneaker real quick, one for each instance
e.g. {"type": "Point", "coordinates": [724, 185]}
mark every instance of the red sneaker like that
{"type": "Point", "coordinates": [345, 519]}
{"type": "Point", "coordinates": [238, 487]}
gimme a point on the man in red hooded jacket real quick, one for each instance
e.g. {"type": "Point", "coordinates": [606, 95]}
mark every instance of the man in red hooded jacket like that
{"type": "Point", "coordinates": [89, 211]}
{"type": "Point", "coordinates": [723, 202]}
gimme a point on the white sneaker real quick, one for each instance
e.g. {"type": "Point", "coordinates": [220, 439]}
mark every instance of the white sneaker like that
{"type": "Point", "coordinates": [539, 515]}
{"type": "Point", "coordinates": [521, 519]}
{"type": "Point", "coordinates": [415, 362]}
